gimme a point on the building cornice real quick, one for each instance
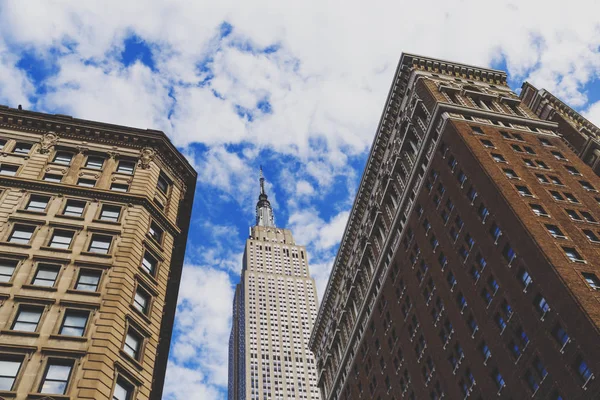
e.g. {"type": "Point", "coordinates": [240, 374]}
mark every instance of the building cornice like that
{"type": "Point", "coordinates": [99, 132]}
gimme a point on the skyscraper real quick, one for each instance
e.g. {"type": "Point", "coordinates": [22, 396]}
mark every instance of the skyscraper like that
{"type": "Point", "coordinates": [470, 264]}
{"type": "Point", "coordinates": [93, 226]}
{"type": "Point", "coordinates": [273, 312]}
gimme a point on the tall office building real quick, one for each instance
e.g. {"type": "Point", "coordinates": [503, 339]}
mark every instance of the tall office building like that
{"type": "Point", "coordinates": [93, 226]}
{"type": "Point", "coordinates": [470, 264]}
{"type": "Point", "coordinates": [273, 313]}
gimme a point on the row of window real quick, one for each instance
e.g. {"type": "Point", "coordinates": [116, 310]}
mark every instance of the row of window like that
{"type": "Point", "coordinates": [56, 378]}
{"type": "Point", "coordinates": [73, 208]}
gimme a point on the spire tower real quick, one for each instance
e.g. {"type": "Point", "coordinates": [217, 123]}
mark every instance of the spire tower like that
{"type": "Point", "coordinates": [264, 211]}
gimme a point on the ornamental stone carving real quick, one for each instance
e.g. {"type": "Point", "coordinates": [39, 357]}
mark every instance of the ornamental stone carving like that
{"type": "Point", "coordinates": [47, 141]}
{"type": "Point", "coordinates": [146, 157]}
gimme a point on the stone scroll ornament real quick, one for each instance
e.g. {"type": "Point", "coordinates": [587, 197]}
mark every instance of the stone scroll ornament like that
{"type": "Point", "coordinates": [47, 141]}
{"type": "Point", "coordinates": [146, 157]}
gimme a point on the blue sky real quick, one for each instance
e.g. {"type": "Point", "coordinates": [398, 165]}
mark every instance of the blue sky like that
{"type": "Point", "coordinates": [295, 87]}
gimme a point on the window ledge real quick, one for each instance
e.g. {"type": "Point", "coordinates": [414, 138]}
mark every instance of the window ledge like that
{"type": "Point", "coordinates": [132, 360]}
{"type": "Point", "coordinates": [84, 292]}
{"type": "Point", "coordinates": [7, 394]}
{"type": "Point", "coordinates": [39, 287]}
{"type": "Point", "coordinates": [140, 314]}
{"type": "Point", "coordinates": [24, 211]}
{"type": "Point", "coordinates": [148, 276]}
{"type": "Point", "coordinates": [19, 333]}
{"type": "Point", "coordinates": [6, 284]}
{"type": "Point", "coordinates": [69, 337]}
{"type": "Point", "coordinates": [35, 396]}
{"type": "Point", "coordinates": [103, 221]}
{"type": "Point", "coordinates": [73, 217]}
{"type": "Point", "coordinates": [56, 249]}
{"type": "Point", "coordinates": [92, 254]}
{"type": "Point", "coordinates": [22, 245]}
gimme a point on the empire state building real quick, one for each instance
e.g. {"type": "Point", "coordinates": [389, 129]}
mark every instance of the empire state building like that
{"type": "Point", "coordinates": [274, 309]}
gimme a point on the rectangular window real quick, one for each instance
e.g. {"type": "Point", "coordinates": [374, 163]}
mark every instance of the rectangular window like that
{"type": "Point", "coordinates": [52, 178]}
{"type": "Point", "coordinates": [483, 212]}
{"type": "Point", "coordinates": [100, 244]}
{"type": "Point", "coordinates": [571, 197]}
{"type": "Point", "coordinates": [22, 148]}
{"type": "Point", "coordinates": [37, 203]}
{"type": "Point", "coordinates": [505, 135]}
{"type": "Point", "coordinates": [126, 167]}
{"type": "Point", "coordinates": [74, 323]}
{"type": "Point", "coordinates": [541, 304]}
{"type": "Point", "coordinates": [558, 155]}
{"type": "Point", "coordinates": [508, 253]}
{"type": "Point", "coordinates": [545, 142]}
{"type": "Point", "coordinates": [133, 344]}
{"type": "Point", "coordinates": [592, 280]}
{"type": "Point", "coordinates": [94, 162]}
{"type": "Point", "coordinates": [61, 239]}
{"type": "Point", "coordinates": [46, 275]}
{"type": "Point", "coordinates": [9, 370]}
{"type": "Point", "coordinates": [542, 164]}
{"type": "Point", "coordinates": [573, 254]}
{"type": "Point", "coordinates": [123, 391]}
{"type": "Point", "coordinates": [28, 318]}
{"type": "Point", "coordinates": [498, 158]}
{"type": "Point", "coordinates": [555, 231]}
{"type": "Point", "coordinates": [74, 208]}
{"type": "Point", "coordinates": [510, 174]}
{"type": "Point", "coordinates": [88, 280]}
{"type": "Point", "coordinates": [8, 169]}
{"type": "Point", "coordinates": [588, 186]}
{"type": "Point", "coordinates": [560, 335]}
{"type": "Point", "coordinates": [110, 213]}
{"type": "Point", "coordinates": [573, 214]}
{"type": "Point", "coordinates": [588, 217]}
{"type": "Point", "coordinates": [487, 143]}
{"type": "Point", "coordinates": [555, 180]}
{"type": "Point", "coordinates": [63, 157]}
{"type": "Point", "coordinates": [524, 191]}
{"type": "Point", "coordinates": [538, 210]}
{"type": "Point", "coordinates": [21, 234]}
{"type": "Point", "coordinates": [556, 195]}
{"type": "Point", "coordinates": [141, 300]}
{"type": "Point", "coordinates": [2, 144]}
{"type": "Point", "coordinates": [583, 370]}
{"type": "Point", "coordinates": [155, 232]}
{"type": "Point", "coordinates": [542, 178]}
{"type": "Point", "coordinates": [149, 263]}
{"type": "Point", "coordinates": [525, 278]}
{"type": "Point", "coordinates": [572, 170]}
{"type": "Point", "coordinates": [86, 182]}
{"type": "Point", "coordinates": [119, 187]}
{"type": "Point", "coordinates": [57, 376]}
{"type": "Point", "coordinates": [163, 183]}
{"type": "Point", "coordinates": [7, 269]}
{"type": "Point", "coordinates": [529, 149]}
{"type": "Point", "coordinates": [591, 235]}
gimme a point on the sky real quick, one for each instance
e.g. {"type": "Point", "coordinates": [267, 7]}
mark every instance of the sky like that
{"type": "Point", "coordinates": [297, 87]}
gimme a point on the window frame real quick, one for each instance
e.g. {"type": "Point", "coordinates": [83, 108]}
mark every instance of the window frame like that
{"type": "Point", "coordinates": [16, 146]}
{"type": "Point", "coordinates": [2, 169]}
{"type": "Point", "coordinates": [51, 361]}
{"type": "Point", "coordinates": [126, 172]}
{"type": "Point", "coordinates": [14, 228]}
{"type": "Point", "coordinates": [77, 279]}
{"type": "Point", "coordinates": [60, 151]}
{"type": "Point", "coordinates": [131, 328]}
{"type": "Point", "coordinates": [54, 233]}
{"type": "Point", "coordinates": [80, 311]}
{"type": "Point", "coordinates": [52, 177]}
{"type": "Point", "coordinates": [119, 187]}
{"type": "Point", "coordinates": [86, 164]}
{"type": "Point", "coordinates": [149, 299]}
{"type": "Point", "coordinates": [27, 307]}
{"type": "Point", "coordinates": [47, 266]}
{"type": "Point", "coordinates": [73, 200]}
{"type": "Point", "coordinates": [168, 182]}
{"type": "Point", "coordinates": [128, 385]}
{"type": "Point", "coordinates": [12, 357]}
{"type": "Point", "coordinates": [10, 260]}
{"type": "Point", "coordinates": [91, 241]}
{"type": "Point", "coordinates": [87, 182]}
{"type": "Point", "coordinates": [31, 199]}
{"type": "Point", "coordinates": [101, 211]}
{"type": "Point", "coordinates": [154, 238]}
{"type": "Point", "coordinates": [152, 273]}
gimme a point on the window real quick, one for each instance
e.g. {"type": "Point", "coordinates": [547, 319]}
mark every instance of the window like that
{"type": "Point", "coordinates": [498, 158]}
{"type": "Point", "coordinates": [498, 379]}
{"type": "Point", "coordinates": [528, 162]}
{"type": "Point", "coordinates": [477, 130]}
{"type": "Point", "coordinates": [555, 180]}
{"type": "Point", "coordinates": [542, 178]}
{"type": "Point", "coordinates": [524, 191]}
{"type": "Point", "coordinates": [529, 149]}
{"type": "Point", "coordinates": [8, 169]}
{"type": "Point", "coordinates": [9, 370]}
{"type": "Point", "coordinates": [516, 148]}
{"type": "Point", "coordinates": [2, 144]}
{"type": "Point", "coordinates": [541, 304]}
{"type": "Point", "coordinates": [123, 390]}
{"type": "Point", "coordinates": [86, 182]}
{"type": "Point", "coordinates": [573, 254]}
{"type": "Point", "coordinates": [591, 235]}
{"type": "Point", "coordinates": [583, 370]}
{"type": "Point", "coordinates": [22, 148]}
{"type": "Point", "coordinates": [495, 232]}
{"type": "Point", "coordinates": [63, 157]}
{"type": "Point", "coordinates": [149, 263]}
{"type": "Point", "coordinates": [485, 351]}
{"type": "Point", "coordinates": [555, 231]}
{"type": "Point", "coordinates": [133, 344]}
{"type": "Point", "coordinates": [518, 137]}
{"type": "Point", "coordinates": [28, 318]}
{"type": "Point", "coordinates": [74, 323]}
{"type": "Point", "coordinates": [538, 210]}
{"type": "Point", "coordinates": [94, 162]}
{"type": "Point", "coordinates": [588, 217]}
{"type": "Point", "coordinates": [37, 203]}
{"type": "Point", "coordinates": [155, 232]}
{"type": "Point", "coordinates": [61, 239]}
{"type": "Point", "coordinates": [472, 194]}
{"type": "Point", "coordinates": [452, 162]}
{"type": "Point", "coordinates": [510, 174]}
{"type": "Point", "coordinates": [505, 135]}
{"type": "Point", "coordinates": [556, 195]}
{"type": "Point", "coordinates": [100, 244]}
{"type": "Point", "coordinates": [572, 170]}
{"type": "Point", "coordinates": [110, 213]}
{"type": "Point", "coordinates": [461, 177]}
{"type": "Point", "coordinates": [571, 197]}
{"type": "Point", "coordinates": [483, 212]}
{"type": "Point", "coordinates": [74, 208]}
{"type": "Point", "coordinates": [508, 253]}
{"type": "Point", "coordinates": [588, 186]}
{"type": "Point", "coordinates": [88, 280]}
{"type": "Point", "coordinates": [163, 184]}
{"type": "Point", "coordinates": [592, 280]}
{"type": "Point", "coordinates": [7, 269]}
{"type": "Point", "coordinates": [542, 164]}
{"type": "Point", "coordinates": [545, 142]}
{"type": "Point", "coordinates": [119, 187]}
{"type": "Point", "coordinates": [52, 178]}
{"type": "Point", "coordinates": [46, 275]}
{"type": "Point", "coordinates": [126, 167]}
{"type": "Point", "coordinates": [573, 214]}
{"type": "Point", "coordinates": [560, 335]}
{"type": "Point", "coordinates": [57, 376]}
{"type": "Point", "coordinates": [141, 300]}
{"type": "Point", "coordinates": [487, 143]}
{"type": "Point", "coordinates": [558, 155]}
{"type": "Point", "coordinates": [21, 234]}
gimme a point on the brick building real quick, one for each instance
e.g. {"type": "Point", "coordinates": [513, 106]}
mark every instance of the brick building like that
{"type": "Point", "coordinates": [469, 267]}
{"type": "Point", "coordinates": [93, 226]}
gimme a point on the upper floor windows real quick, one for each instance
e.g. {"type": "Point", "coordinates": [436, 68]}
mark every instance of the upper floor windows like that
{"type": "Point", "coordinates": [55, 178]}
{"type": "Point", "coordinates": [8, 169]}
{"type": "Point", "coordinates": [587, 186]}
{"type": "Point", "coordinates": [74, 323]}
{"type": "Point", "coordinates": [149, 263]}
{"type": "Point", "coordinates": [592, 280]}
{"type": "Point", "coordinates": [110, 213]}
{"type": "Point", "coordinates": [9, 370]}
{"type": "Point", "coordinates": [21, 234]}
{"type": "Point", "coordinates": [61, 239]}
{"type": "Point", "coordinates": [63, 157]}
{"type": "Point", "coordinates": [88, 280]}
{"type": "Point", "coordinates": [119, 187]}
{"type": "Point", "coordinates": [7, 269]}
{"type": "Point", "coordinates": [94, 162]}
{"type": "Point", "coordinates": [572, 170]}
{"type": "Point", "coordinates": [28, 318]}
{"type": "Point", "coordinates": [545, 142]}
{"type": "Point", "coordinates": [123, 390]}
{"type": "Point", "coordinates": [156, 232]}
{"type": "Point", "coordinates": [74, 208]}
{"type": "Point", "coordinates": [22, 148]}
{"type": "Point", "coordinates": [46, 275]}
{"type": "Point", "coordinates": [488, 143]}
{"type": "Point", "coordinates": [37, 203]}
{"type": "Point", "coordinates": [558, 155]}
{"type": "Point", "coordinates": [100, 244]}
{"type": "Point", "coordinates": [126, 167]}
{"type": "Point", "coordinates": [163, 183]}
{"type": "Point", "coordinates": [85, 182]}
{"type": "Point", "coordinates": [57, 376]}
{"type": "Point", "coordinates": [498, 158]}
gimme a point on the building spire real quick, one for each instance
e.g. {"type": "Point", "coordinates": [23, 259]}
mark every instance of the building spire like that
{"type": "Point", "coordinates": [264, 212]}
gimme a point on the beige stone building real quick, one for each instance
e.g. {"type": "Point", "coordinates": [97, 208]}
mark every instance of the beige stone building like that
{"type": "Point", "coordinates": [93, 227]}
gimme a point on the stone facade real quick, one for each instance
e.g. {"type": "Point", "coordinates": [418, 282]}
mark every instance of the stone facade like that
{"type": "Point", "coordinates": [469, 265]}
{"type": "Point", "coordinates": [93, 226]}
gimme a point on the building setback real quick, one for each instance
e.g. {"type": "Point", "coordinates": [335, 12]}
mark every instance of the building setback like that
{"type": "Point", "coordinates": [274, 308]}
{"type": "Point", "coordinates": [469, 267]}
{"type": "Point", "coordinates": [93, 226]}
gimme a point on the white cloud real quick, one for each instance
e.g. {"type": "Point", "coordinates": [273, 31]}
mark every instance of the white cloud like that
{"type": "Point", "coordinates": [593, 113]}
